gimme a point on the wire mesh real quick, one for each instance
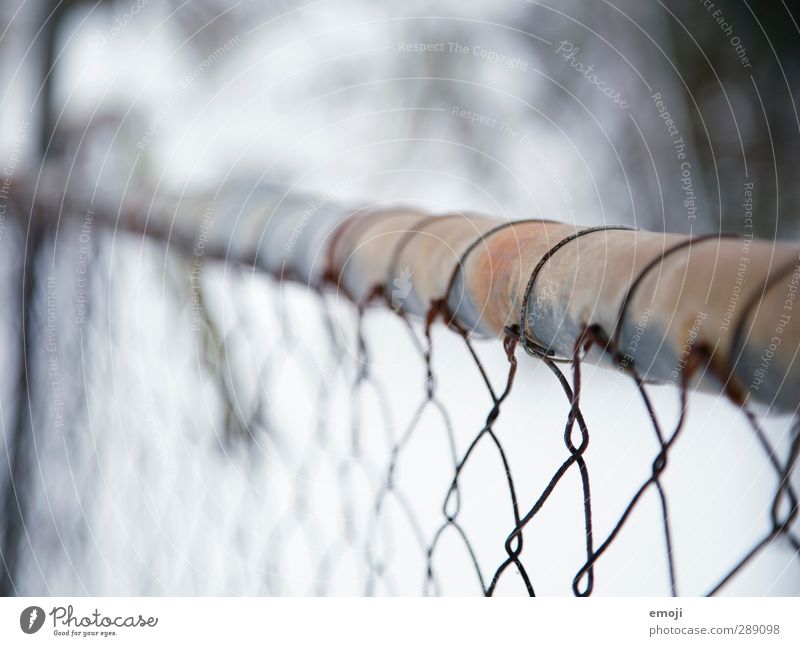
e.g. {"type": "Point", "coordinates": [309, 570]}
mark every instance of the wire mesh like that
{"type": "Point", "coordinates": [206, 429]}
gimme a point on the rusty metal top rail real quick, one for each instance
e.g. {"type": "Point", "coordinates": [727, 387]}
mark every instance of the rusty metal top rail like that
{"type": "Point", "coordinates": [657, 305]}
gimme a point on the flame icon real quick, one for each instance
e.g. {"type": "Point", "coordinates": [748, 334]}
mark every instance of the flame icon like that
{"type": "Point", "coordinates": [31, 619]}
{"type": "Point", "coordinates": [402, 288]}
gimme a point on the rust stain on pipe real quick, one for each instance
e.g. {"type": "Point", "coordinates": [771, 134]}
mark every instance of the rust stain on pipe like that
{"type": "Point", "coordinates": [425, 263]}
{"type": "Point", "coordinates": [492, 280]}
{"type": "Point", "coordinates": [367, 248]}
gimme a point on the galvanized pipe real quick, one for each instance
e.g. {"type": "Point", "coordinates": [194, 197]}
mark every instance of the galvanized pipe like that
{"type": "Point", "coordinates": [653, 302]}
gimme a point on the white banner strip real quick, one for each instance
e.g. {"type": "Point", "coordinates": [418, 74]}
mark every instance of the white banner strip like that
{"type": "Point", "coordinates": [399, 621]}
